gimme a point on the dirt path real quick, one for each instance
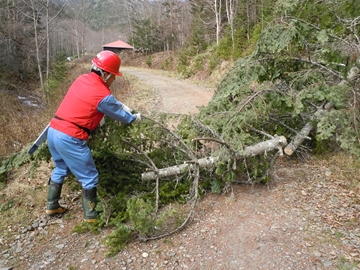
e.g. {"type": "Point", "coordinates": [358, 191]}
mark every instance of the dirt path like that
{"type": "Point", "coordinates": [306, 218]}
{"type": "Point", "coordinates": [173, 95]}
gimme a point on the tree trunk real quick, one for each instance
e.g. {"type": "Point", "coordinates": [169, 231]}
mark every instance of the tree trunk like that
{"type": "Point", "coordinates": [305, 131]}
{"type": "Point", "coordinates": [231, 6]}
{"type": "Point", "coordinates": [299, 138]}
{"type": "Point", "coordinates": [217, 11]}
{"type": "Point", "coordinates": [274, 143]}
{"type": "Point", "coordinates": [320, 113]}
{"type": "Point", "coordinates": [47, 43]}
{"type": "Point", "coordinates": [35, 17]}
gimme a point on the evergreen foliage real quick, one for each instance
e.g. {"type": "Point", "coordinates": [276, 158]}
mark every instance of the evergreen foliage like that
{"type": "Point", "coordinates": [197, 43]}
{"type": "Point", "coordinates": [121, 152]}
{"type": "Point", "coordinates": [57, 76]}
{"type": "Point", "coordinates": [294, 71]}
{"type": "Point", "coordinates": [146, 36]}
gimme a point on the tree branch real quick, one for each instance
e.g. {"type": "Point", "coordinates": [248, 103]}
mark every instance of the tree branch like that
{"type": "Point", "coordinates": [320, 113]}
{"type": "Point", "coordinates": [249, 151]}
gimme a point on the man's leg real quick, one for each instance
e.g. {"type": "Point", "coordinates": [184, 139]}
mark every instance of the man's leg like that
{"type": "Point", "coordinates": [77, 156]}
{"type": "Point", "coordinates": [57, 178]}
{"type": "Point", "coordinates": [54, 191]}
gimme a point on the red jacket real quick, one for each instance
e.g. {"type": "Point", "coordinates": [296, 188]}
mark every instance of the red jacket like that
{"type": "Point", "coordinates": [79, 106]}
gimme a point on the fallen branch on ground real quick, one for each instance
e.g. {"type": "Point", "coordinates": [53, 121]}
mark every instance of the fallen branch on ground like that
{"type": "Point", "coordinates": [320, 113]}
{"type": "Point", "coordinates": [275, 143]}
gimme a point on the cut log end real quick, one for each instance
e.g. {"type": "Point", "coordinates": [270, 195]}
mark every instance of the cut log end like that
{"type": "Point", "coordinates": [288, 151]}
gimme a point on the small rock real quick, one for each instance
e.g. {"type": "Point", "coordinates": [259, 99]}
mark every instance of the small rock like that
{"type": "Point", "coordinates": [58, 221]}
{"type": "Point", "coordinates": [60, 246]}
{"type": "Point", "coordinates": [171, 254]}
{"type": "Point", "coordinates": [47, 253]}
{"type": "Point", "coordinates": [51, 259]}
{"type": "Point", "coordinates": [327, 263]}
{"type": "Point", "coordinates": [317, 253]}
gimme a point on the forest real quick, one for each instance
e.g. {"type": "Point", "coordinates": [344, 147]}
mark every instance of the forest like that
{"type": "Point", "coordinates": [293, 90]}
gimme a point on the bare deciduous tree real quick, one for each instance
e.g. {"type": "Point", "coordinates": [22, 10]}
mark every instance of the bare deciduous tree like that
{"type": "Point", "coordinates": [231, 7]}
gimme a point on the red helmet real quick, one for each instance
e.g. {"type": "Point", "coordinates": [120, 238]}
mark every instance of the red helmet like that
{"type": "Point", "coordinates": [108, 61]}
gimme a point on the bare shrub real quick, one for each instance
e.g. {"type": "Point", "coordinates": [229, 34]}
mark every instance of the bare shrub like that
{"type": "Point", "coordinates": [16, 124]}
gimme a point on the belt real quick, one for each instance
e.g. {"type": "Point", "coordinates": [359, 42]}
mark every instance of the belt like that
{"type": "Point", "coordinates": [84, 129]}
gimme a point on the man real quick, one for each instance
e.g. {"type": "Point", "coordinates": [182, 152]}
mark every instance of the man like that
{"type": "Point", "coordinates": [83, 107]}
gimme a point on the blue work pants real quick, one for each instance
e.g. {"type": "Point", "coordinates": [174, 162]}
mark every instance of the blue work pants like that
{"type": "Point", "coordinates": [71, 154]}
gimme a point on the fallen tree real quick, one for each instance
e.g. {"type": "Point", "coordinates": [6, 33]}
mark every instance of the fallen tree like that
{"type": "Point", "coordinates": [276, 143]}
{"type": "Point", "coordinates": [318, 115]}
{"type": "Point", "coordinates": [283, 88]}
{"type": "Point", "coordinates": [305, 131]}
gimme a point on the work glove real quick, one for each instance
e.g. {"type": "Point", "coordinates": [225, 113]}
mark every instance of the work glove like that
{"type": "Point", "coordinates": [126, 108]}
{"type": "Point", "coordinates": [137, 119]}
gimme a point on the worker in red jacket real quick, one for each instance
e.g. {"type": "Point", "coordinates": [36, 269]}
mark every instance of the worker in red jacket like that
{"type": "Point", "coordinates": [83, 107]}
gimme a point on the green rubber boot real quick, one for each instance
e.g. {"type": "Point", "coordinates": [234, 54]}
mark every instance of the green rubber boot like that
{"type": "Point", "coordinates": [89, 202]}
{"type": "Point", "coordinates": [53, 207]}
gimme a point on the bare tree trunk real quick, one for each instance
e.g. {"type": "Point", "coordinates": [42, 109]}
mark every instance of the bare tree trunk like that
{"type": "Point", "coordinates": [129, 20]}
{"type": "Point", "coordinates": [47, 42]}
{"type": "Point", "coordinates": [231, 11]}
{"type": "Point", "coordinates": [217, 11]}
{"type": "Point", "coordinates": [35, 14]}
{"type": "Point", "coordinates": [48, 22]}
{"type": "Point", "coordinates": [247, 18]}
{"type": "Point", "coordinates": [274, 143]}
{"type": "Point", "coordinates": [77, 39]}
{"type": "Point", "coordinates": [36, 8]}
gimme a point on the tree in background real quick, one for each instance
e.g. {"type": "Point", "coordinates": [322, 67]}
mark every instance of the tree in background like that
{"type": "Point", "coordinates": [145, 36]}
{"type": "Point", "coordinates": [16, 46]}
{"type": "Point", "coordinates": [207, 18]}
{"type": "Point", "coordinates": [170, 18]}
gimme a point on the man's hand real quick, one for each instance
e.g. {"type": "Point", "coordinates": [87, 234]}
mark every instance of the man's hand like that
{"type": "Point", "coordinates": [126, 108]}
{"type": "Point", "coordinates": [137, 119]}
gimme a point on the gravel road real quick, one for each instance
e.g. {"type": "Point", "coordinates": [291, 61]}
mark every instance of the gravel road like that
{"type": "Point", "coordinates": [174, 95]}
